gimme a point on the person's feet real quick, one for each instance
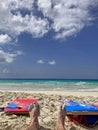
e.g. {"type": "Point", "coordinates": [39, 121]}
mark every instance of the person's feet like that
{"type": "Point", "coordinates": [61, 118]}
{"type": "Point", "coordinates": [34, 112]}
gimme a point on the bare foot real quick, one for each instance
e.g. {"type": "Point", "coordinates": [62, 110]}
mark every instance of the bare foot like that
{"type": "Point", "coordinates": [61, 118]}
{"type": "Point", "coordinates": [34, 113]}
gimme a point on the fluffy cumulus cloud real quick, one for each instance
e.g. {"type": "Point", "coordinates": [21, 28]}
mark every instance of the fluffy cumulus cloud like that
{"type": "Point", "coordinates": [46, 62]}
{"type": "Point", "coordinates": [14, 23]}
{"type": "Point", "coordinates": [40, 61]}
{"type": "Point", "coordinates": [65, 17]}
{"type": "Point", "coordinates": [52, 62]}
{"type": "Point", "coordinates": [6, 57]}
{"type": "Point", "coordinates": [37, 17]}
{"type": "Point", "coordinates": [4, 38]}
{"type": "Point", "coordinates": [68, 16]}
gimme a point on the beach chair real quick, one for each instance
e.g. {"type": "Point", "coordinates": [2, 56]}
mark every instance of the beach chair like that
{"type": "Point", "coordinates": [82, 113]}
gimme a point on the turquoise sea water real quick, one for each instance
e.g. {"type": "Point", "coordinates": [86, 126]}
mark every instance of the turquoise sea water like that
{"type": "Point", "coordinates": [29, 84]}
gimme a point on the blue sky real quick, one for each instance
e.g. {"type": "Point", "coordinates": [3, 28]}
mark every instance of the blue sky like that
{"type": "Point", "coordinates": [49, 39]}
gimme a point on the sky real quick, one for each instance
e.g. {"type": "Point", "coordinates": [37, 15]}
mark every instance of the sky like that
{"type": "Point", "coordinates": [52, 39]}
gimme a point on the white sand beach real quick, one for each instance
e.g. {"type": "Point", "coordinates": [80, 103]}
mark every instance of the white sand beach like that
{"type": "Point", "coordinates": [49, 102]}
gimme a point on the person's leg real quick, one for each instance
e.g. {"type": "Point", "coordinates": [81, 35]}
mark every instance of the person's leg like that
{"type": "Point", "coordinates": [34, 113]}
{"type": "Point", "coordinates": [61, 118]}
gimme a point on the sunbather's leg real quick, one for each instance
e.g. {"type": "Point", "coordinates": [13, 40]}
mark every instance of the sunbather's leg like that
{"type": "Point", "coordinates": [34, 112]}
{"type": "Point", "coordinates": [61, 118]}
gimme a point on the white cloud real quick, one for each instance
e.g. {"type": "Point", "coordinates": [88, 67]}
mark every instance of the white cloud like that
{"type": "Point", "coordinates": [20, 4]}
{"type": "Point", "coordinates": [45, 6]}
{"type": "Point", "coordinates": [14, 23]}
{"type": "Point", "coordinates": [65, 17]}
{"type": "Point", "coordinates": [68, 17]}
{"type": "Point", "coordinates": [4, 39]}
{"type": "Point", "coordinates": [46, 62]}
{"type": "Point", "coordinates": [8, 57]}
{"type": "Point", "coordinates": [52, 62]}
{"type": "Point", "coordinates": [40, 61]}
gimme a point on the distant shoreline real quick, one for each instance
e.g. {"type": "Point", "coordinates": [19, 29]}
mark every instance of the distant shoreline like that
{"type": "Point", "coordinates": [46, 79]}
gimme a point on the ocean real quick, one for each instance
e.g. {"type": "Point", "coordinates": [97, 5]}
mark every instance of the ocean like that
{"type": "Point", "coordinates": [49, 84]}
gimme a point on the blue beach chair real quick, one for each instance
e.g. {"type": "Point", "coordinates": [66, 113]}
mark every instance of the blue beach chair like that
{"type": "Point", "coordinates": [82, 113]}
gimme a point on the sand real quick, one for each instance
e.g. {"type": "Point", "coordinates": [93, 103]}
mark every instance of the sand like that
{"type": "Point", "coordinates": [49, 102]}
